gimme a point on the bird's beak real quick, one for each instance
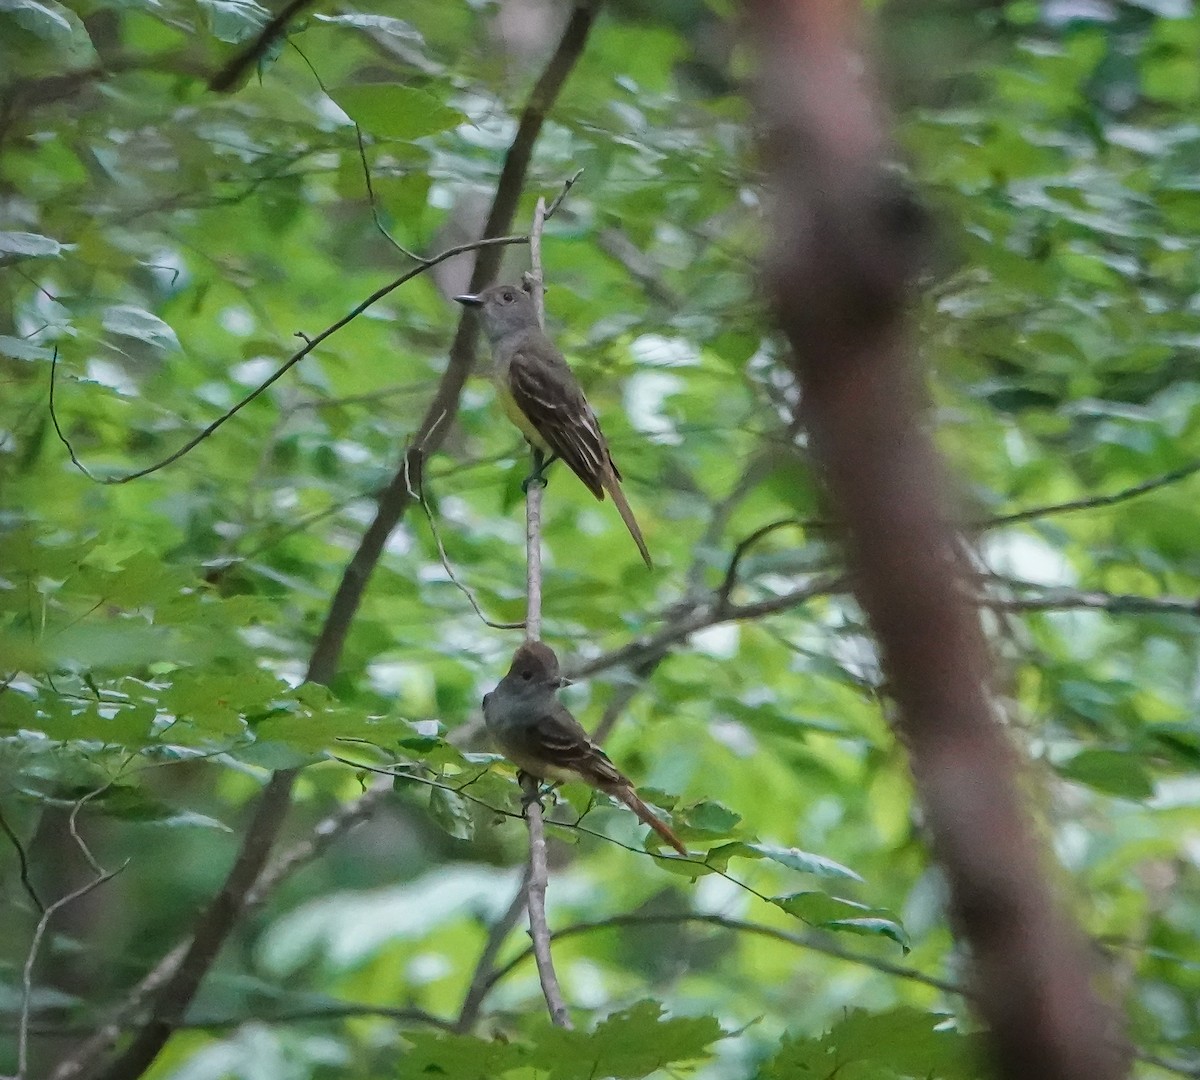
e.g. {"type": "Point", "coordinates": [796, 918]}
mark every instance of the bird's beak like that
{"type": "Point", "coordinates": [563, 681]}
{"type": "Point", "coordinates": [469, 300]}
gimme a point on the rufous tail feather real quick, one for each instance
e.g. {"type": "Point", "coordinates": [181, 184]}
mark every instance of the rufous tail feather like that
{"type": "Point", "coordinates": [629, 797]}
{"type": "Point", "coordinates": [613, 486]}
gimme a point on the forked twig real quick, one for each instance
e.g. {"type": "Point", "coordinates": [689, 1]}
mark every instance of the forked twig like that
{"type": "Point", "coordinates": [39, 933]}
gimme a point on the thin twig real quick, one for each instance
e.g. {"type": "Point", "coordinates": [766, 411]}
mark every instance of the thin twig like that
{"type": "Point", "coordinates": [251, 54]}
{"type": "Point", "coordinates": [739, 553]}
{"type": "Point", "coordinates": [485, 966]}
{"type": "Point", "coordinates": [701, 616]}
{"type": "Point", "coordinates": [535, 895]}
{"type": "Point", "coordinates": [310, 343]}
{"type": "Point", "coordinates": [812, 941]}
{"type": "Point", "coordinates": [366, 168]}
{"type": "Point", "coordinates": [537, 877]}
{"type": "Point", "coordinates": [39, 933]}
{"type": "Point", "coordinates": [616, 244]}
{"type": "Point", "coordinates": [558, 201]}
{"type": "Point", "coordinates": [335, 1010]}
{"type": "Point", "coordinates": [535, 282]}
{"type": "Point", "coordinates": [218, 920]}
{"type": "Point", "coordinates": [1094, 502]}
{"type": "Point", "coordinates": [759, 463]}
{"type": "Point", "coordinates": [323, 834]}
{"type": "Point", "coordinates": [22, 863]}
{"type": "Point", "coordinates": [1061, 599]}
{"type": "Point", "coordinates": [415, 472]}
{"type": "Point", "coordinates": [704, 614]}
{"type": "Point", "coordinates": [379, 225]}
{"type": "Point", "coordinates": [34, 947]}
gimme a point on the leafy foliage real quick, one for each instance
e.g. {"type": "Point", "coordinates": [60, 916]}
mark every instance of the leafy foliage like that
{"type": "Point", "coordinates": [162, 246]}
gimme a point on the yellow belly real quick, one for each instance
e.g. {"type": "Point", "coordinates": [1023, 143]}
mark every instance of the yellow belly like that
{"type": "Point", "coordinates": [513, 411]}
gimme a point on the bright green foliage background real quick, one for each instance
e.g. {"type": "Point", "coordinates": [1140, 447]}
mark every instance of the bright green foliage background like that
{"type": "Point", "coordinates": [170, 243]}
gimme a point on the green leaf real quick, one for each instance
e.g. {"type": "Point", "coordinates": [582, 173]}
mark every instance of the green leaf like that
{"type": "Point", "coordinates": [793, 858]}
{"type": "Point", "coordinates": [904, 1042]}
{"type": "Point", "coordinates": [631, 1043]}
{"type": "Point", "coordinates": [17, 246]}
{"type": "Point", "coordinates": [710, 819]}
{"type": "Point", "coordinates": [235, 21]}
{"type": "Point", "coordinates": [392, 111]}
{"type": "Point", "coordinates": [129, 725]}
{"type": "Point", "coordinates": [871, 926]}
{"type": "Point", "coordinates": [20, 349]}
{"type": "Point", "coordinates": [137, 323]}
{"type": "Point", "coordinates": [1115, 772]}
{"type": "Point", "coordinates": [54, 24]}
{"type": "Point", "coordinates": [452, 812]}
{"type": "Point", "coordinates": [817, 907]}
{"type": "Point", "coordinates": [16, 711]}
{"type": "Point", "coordinates": [390, 26]}
{"type": "Point", "coordinates": [839, 915]}
{"type": "Point", "coordinates": [458, 1057]}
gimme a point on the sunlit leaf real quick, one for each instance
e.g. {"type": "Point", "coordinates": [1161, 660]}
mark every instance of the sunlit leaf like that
{"type": "Point", "coordinates": [1111, 771]}
{"type": "Point", "coordinates": [136, 323]}
{"type": "Point", "coordinates": [15, 246]}
{"type": "Point", "coordinates": [391, 111]}
{"type": "Point", "coordinates": [792, 858]}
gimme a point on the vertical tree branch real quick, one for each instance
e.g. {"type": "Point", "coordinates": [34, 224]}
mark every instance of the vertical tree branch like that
{"type": "Point", "coordinates": [537, 877]}
{"type": "Point", "coordinates": [481, 981]}
{"type": "Point", "coordinates": [533, 561]}
{"type": "Point", "coordinates": [533, 491]}
{"type": "Point", "coordinates": [217, 921]}
{"type": "Point", "coordinates": [839, 274]}
{"type": "Point", "coordinates": [535, 899]}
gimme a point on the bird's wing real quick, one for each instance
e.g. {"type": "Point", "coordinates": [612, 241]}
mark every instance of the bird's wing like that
{"type": "Point", "coordinates": [547, 392]}
{"type": "Point", "coordinates": [560, 739]}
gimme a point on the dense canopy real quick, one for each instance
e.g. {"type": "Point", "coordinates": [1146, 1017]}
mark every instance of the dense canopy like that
{"type": "Point", "coordinates": [181, 618]}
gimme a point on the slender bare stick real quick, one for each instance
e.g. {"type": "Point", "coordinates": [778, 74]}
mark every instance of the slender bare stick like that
{"type": "Point", "coordinates": [485, 968]}
{"type": "Point", "coordinates": [533, 564]}
{"type": "Point", "coordinates": [324, 833]}
{"type": "Point", "coordinates": [535, 895]}
{"type": "Point", "coordinates": [537, 876]}
{"type": "Point", "coordinates": [249, 55]}
{"type": "Point", "coordinates": [39, 933]}
{"type": "Point", "coordinates": [487, 244]}
{"type": "Point", "coordinates": [533, 491]}
{"type": "Point", "coordinates": [22, 862]}
{"type": "Point", "coordinates": [31, 957]}
{"type": "Point", "coordinates": [414, 465]}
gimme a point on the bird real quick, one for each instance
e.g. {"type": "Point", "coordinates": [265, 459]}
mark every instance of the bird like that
{"type": "Point", "coordinates": [541, 396]}
{"type": "Point", "coordinates": [538, 734]}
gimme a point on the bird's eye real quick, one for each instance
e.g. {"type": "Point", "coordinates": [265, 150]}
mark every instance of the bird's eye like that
{"type": "Point", "coordinates": [507, 297]}
{"type": "Point", "coordinates": [527, 675]}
